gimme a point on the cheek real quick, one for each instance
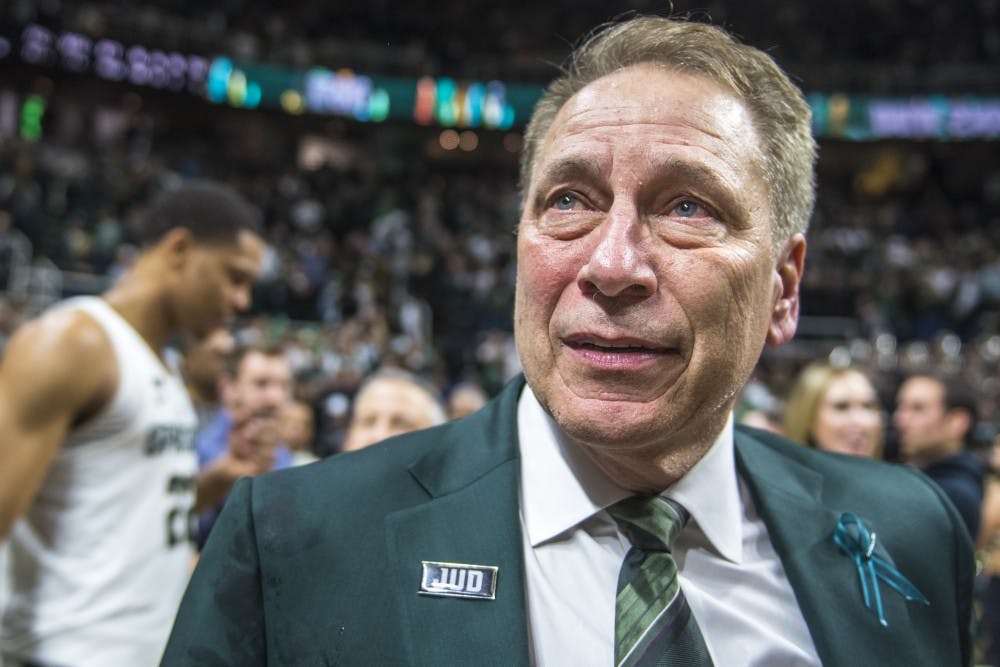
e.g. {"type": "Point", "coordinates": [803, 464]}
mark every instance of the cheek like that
{"type": "Point", "coordinates": [831, 420]}
{"type": "Point", "coordinates": [750, 281]}
{"type": "Point", "coordinates": [729, 295]}
{"type": "Point", "coordinates": [544, 271]}
{"type": "Point", "coordinates": [874, 421]}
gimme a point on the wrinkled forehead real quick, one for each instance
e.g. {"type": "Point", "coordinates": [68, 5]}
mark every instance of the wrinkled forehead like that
{"type": "Point", "coordinates": [645, 98]}
{"type": "Point", "coordinates": [649, 90]}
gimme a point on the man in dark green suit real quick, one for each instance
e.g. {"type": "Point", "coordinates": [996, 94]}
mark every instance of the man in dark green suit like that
{"type": "Point", "coordinates": [667, 181]}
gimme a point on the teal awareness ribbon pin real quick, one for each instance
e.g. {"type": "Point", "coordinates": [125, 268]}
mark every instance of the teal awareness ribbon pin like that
{"type": "Point", "coordinates": [859, 544]}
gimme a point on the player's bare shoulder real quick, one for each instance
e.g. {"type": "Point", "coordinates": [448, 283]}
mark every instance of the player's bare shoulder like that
{"type": "Point", "coordinates": [64, 356]}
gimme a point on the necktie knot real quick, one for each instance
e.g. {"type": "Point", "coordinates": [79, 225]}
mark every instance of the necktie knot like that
{"type": "Point", "coordinates": [651, 523]}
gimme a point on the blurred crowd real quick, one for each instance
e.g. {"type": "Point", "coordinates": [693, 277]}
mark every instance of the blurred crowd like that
{"type": "Point", "coordinates": [882, 46]}
{"type": "Point", "coordinates": [363, 271]}
{"type": "Point", "coordinates": [414, 269]}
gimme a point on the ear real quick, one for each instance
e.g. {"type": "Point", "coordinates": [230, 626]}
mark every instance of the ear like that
{"type": "Point", "coordinates": [787, 277]}
{"type": "Point", "coordinates": [176, 246]}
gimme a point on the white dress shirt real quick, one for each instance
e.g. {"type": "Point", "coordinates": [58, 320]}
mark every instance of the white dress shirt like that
{"type": "Point", "coordinates": [729, 571]}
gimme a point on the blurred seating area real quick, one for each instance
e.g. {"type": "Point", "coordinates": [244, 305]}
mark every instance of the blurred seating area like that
{"type": "Point", "coordinates": [414, 267]}
{"type": "Point", "coordinates": [387, 249]}
{"type": "Point", "coordinates": [889, 46]}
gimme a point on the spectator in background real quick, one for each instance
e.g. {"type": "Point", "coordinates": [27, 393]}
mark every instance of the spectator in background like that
{"type": "Point", "coordinates": [934, 418]}
{"type": "Point", "coordinates": [203, 368]}
{"type": "Point", "coordinates": [391, 402]}
{"type": "Point", "coordinates": [97, 461]}
{"type": "Point", "coordinates": [15, 251]}
{"type": "Point", "coordinates": [243, 438]}
{"type": "Point", "coordinates": [465, 398]}
{"type": "Point", "coordinates": [759, 408]}
{"type": "Point", "coordinates": [835, 409]}
{"type": "Point", "coordinates": [989, 545]}
{"type": "Point", "coordinates": [298, 431]}
{"type": "Point", "coordinates": [761, 419]}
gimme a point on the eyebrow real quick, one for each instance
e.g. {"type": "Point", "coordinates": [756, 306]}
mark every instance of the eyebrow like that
{"type": "Point", "coordinates": [726, 196]}
{"type": "Point", "coordinates": [675, 168]}
{"type": "Point", "coordinates": [243, 271]}
{"type": "Point", "coordinates": [564, 170]}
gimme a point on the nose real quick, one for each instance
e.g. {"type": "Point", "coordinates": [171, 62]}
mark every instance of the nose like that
{"type": "Point", "coordinates": [619, 265]}
{"type": "Point", "coordinates": [276, 395]}
{"type": "Point", "coordinates": [241, 298]}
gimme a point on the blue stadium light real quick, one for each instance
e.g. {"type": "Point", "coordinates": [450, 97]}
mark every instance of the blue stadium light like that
{"type": "Point", "coordinates": [217, 85]}
{"type": "Point", "coordinates": [253, 94]}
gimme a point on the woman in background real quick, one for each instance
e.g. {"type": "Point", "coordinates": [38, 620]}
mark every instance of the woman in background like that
{"type": "Point", "coordinates": [835, 409]}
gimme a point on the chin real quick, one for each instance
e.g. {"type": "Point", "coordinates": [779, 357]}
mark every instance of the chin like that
{"type": "Point", "coordinates": [616, 426]}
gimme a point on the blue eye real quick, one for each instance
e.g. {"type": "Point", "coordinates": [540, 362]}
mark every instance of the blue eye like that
{"type": "Point", "coordinates": [688, 209]}
{"type": "Point", "coordinates": [565, 201]}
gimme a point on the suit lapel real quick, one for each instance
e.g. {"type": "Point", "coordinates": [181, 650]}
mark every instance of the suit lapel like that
{"type": "Point", "coordinates": [471, 518]}
{"type": "Point", "coordinates": [825, 581]}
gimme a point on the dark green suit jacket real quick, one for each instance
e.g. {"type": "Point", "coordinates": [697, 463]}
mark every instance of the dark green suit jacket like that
{"type": "Point", "coordinates": [321, 565]}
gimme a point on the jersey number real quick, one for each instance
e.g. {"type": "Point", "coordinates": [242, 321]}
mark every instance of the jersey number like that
{"type": "Point", "coordinates": [182, 522]}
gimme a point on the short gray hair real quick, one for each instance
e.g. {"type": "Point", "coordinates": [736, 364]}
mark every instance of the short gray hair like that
{"type": "Point", "coordinates": [777, 106]}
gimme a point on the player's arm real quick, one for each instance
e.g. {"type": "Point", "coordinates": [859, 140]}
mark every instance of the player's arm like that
{"type": "Point", "coordinates": [54, 371]}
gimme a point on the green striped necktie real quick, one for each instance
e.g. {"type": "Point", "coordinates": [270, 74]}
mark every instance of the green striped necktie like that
{"type": "Point", "coordinates": [653, 622]}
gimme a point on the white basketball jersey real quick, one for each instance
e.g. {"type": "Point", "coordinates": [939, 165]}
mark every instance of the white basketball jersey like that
{"type": "Point", "coordinates": [97, 566]}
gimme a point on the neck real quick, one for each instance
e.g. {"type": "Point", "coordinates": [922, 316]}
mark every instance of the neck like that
{"type": "Point", "coordinates": [137, 298]}
{"type": "Point", "coordinates": [202, 397]}
{"type": "Point", "coordinates": [654, 468]}
{"type": "Point", "coordinates": [941, 454]}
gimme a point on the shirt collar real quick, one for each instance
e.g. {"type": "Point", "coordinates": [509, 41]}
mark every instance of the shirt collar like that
{"type": "Point", "coordinates": [710, 493]}
{"type": "Point", "coordinates": [561, 487]}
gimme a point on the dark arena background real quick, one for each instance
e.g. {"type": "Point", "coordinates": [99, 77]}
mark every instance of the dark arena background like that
{"type": "Point", "coordinates": [382, 140]}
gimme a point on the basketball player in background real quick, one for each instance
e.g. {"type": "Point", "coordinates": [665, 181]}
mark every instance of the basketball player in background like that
{"type": "Point", "coordinates": [97, 458]}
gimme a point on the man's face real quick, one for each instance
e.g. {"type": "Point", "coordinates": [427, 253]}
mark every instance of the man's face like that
{"type": "Point", "coordinates": [262, 386]}
{"type": "Point", "coordinates": [216, 282]}
{"type": "Point", "coordinates": [297, 425]}
{"type": "Point", "coordinates": [205, 361]}
{"type": "Point", "coordinates": [388, 407]}
{"type": "Point", "coordinates": [647, 277]}
{"type": "Point", "coordinates": [921, 419]}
